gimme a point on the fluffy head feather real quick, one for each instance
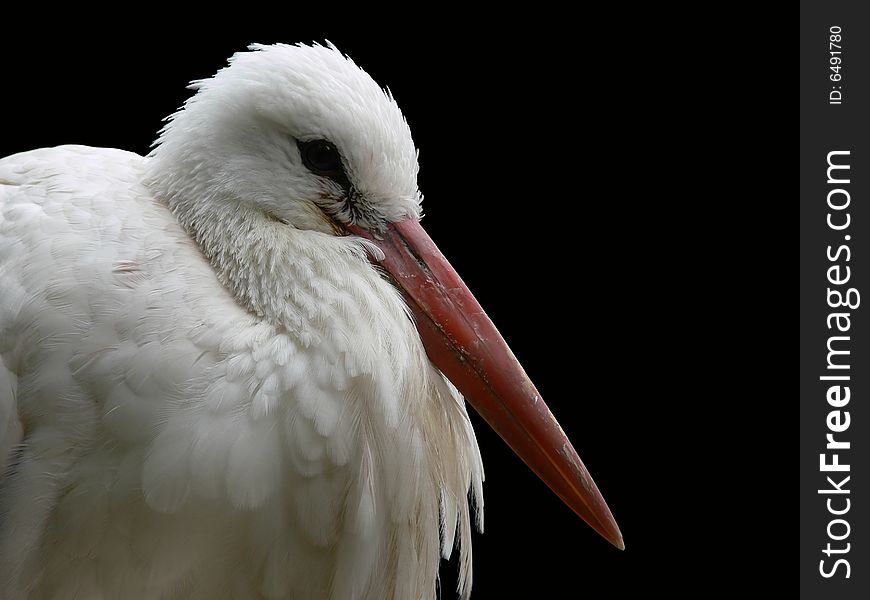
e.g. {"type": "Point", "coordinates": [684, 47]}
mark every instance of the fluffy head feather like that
{"type": "Point", "coordinates": [236, 139]}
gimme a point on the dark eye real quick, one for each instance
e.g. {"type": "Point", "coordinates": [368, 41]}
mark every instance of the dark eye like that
{"type": "Point", "coordinates": [321, 157]}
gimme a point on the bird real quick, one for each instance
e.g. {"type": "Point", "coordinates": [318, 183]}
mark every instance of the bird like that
{"type": "Point", "coordinates": [237, 367]}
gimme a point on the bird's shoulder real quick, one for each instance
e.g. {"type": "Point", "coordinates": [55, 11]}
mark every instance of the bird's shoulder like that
{"type": "Point", "coordinates": [69, 196]}
{"type": "Point", "coordinates": [82, 239]}
{"type": "Point", "coordinates": [76, 163]}
{"type": "Point", "coordinates": [106, 301]}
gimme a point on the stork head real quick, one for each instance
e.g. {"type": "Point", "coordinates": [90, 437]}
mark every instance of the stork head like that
{"type": "Point", "coordinates": [299, 132]}
{"type": "Point", "coordinates": [302, 137]}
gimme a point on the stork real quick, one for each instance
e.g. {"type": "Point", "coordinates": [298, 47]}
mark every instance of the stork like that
{"type": "Point", "coordinates": [235, 368]}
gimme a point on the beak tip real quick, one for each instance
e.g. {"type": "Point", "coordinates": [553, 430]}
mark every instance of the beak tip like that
{"type": "Point", "coordinates": [618, 542]}
{"type": "Point", "coordinates": [609, 530]}
{"type": "Point", "coordinates": [601, 519]}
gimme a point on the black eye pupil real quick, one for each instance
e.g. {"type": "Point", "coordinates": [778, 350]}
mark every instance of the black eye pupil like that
{"type": "Point", "coordinates": [321, 157]}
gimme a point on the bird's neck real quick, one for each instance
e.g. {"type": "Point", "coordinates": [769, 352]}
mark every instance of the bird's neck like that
{"type": "Point", "coordinates": [245, 248]}
{"type": "Point", "coordinates": [250, 252]}
{"type": "Point", "coordinates": [288, 276]}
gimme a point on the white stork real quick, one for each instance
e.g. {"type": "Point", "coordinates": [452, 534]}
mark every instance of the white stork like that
{"type": "Point", "coordinates": [211, 382]}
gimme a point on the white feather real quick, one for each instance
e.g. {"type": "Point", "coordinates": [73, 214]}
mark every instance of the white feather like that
{"type": "Point", "coordinates": [203, 391]}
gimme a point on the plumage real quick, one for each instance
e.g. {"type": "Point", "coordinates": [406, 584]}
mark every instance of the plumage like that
{"type": "Point", "coordinates": [204, 392]}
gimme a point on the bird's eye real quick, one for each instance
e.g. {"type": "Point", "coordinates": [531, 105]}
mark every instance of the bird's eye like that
{"type": "Point", "coordinates": [321, 157]}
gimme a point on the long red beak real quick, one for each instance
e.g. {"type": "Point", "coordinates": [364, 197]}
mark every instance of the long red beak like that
{"type": "Point", "coordinates": [462, 341]}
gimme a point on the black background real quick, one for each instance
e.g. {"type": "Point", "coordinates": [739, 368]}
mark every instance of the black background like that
{"type": "Point", "coordinates": [531, 151]}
